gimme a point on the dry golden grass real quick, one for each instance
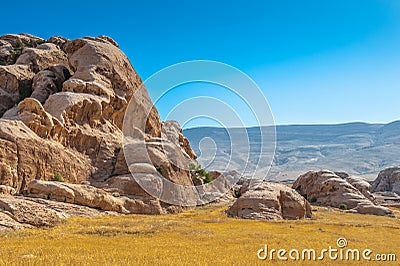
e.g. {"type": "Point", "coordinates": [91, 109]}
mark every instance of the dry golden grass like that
{"type": "Point", "coordinates": [203, 236]}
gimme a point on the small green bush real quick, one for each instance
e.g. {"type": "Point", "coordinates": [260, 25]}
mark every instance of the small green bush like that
{"type": "Point", "coordinates": [236, 193]}
{"type": "Point", "coordinates": [207, 179]}
{"type": "Point", "coordinates": [343, 206]}
{"type": "Point", "coordinates": [115, 194]}
{"type": "Point", "coordinates": [58, 177]}
{"type": "Point", "coordinates": [198, 173]}
{"type": "Point", "coordinates": [161, 170]}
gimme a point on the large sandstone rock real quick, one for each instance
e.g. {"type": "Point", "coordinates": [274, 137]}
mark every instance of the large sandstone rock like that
{"type": "Point", "coordinates": [328, 189]}
{"type": "Point", "coordinates": [25, 156]}
{"type": "Point", "coordinates": [27, 212]}
{"type": "Point", "coordinates": [172, 131]}
{"type": "Point", "coordinates": [387, 180]}
{"type": "Point", "coordinates": [15, 84]}
{"type": "Point", "coordinates": [63, 104]}
{"type": "Point", "coordinates": [43, 56]}
{"type": "Point", "coordinates": [269, 201]}
{"type": "Point", "coordinates": [92, 197]}
{"type": "Point", "coordinates": [12, 46]}
{"type": "Point", "coordinates": [47, 82]}
{"type": "Point", "coordinates": [362, 185]}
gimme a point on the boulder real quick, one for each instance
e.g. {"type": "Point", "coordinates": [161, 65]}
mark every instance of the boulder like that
{"type": "Point", "coordinates": [328, 189]}
{"type": "Point", "coordinates": [15, 85]}
{"type": "Point", "coordinates": [47, 82]}
{"type": "Point", "coordinates": [6, 190]}
{"type": "Point", "coordinates": [172, 131]}
{"type": "Point", "coordinates": [42, 57]}
{"type": "Point", "coordinates": [12, 45]}
{"type": "Point", "coordinates": [269, 201]}
{"type": "Point", "coordinates": [92, 197]}
{"type": "Point", "coordinates": [387, 180]}
{"type": "Point", "coordinates": [362, 185]}
{"type": "Point", "coordinates": [63, 104]}
{"type": "Point", "coordinates": [24, 156]}
{"type": "Point", "coordinates": [28, 212]}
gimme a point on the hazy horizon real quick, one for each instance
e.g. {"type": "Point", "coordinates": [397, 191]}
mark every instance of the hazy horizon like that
{"type": "Point", "coordinates": [305, 124]}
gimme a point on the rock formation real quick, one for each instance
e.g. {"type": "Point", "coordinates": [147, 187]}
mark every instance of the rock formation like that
{"type": "Point", "coordinates": [387, 180]}
{"type": "Point", "coordinates": [62, 104]}
{"type": "Point", "coordinates": [328, 189]}
{"type": "Point", "coordinates": [269, 201]}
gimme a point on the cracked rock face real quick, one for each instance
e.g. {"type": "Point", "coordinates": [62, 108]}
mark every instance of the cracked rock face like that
{"type": "Point", "coordinates": [387, 180]}
{"type": "Point", "coordinates": [262, 200]}
{"type": "Point", "coordinates": [328, 189]}
{"type": "Point", "coordinates": [62, 104]}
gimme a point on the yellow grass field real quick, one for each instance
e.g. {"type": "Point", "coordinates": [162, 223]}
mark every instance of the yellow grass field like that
{"type": "Point", "coordinates": [202, 236]}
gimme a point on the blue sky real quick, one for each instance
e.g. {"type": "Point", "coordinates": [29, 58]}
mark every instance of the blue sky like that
{"type": "Point", "coordinates": [315, 61]}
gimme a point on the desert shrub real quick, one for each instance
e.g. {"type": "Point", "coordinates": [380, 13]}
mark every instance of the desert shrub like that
{"type": "Point", "coordinates": [343, 206]}
{"type": "Point", "coordinates": [161, 170]}
{"type": "Point", "coordinates": [199, 175]}
{"type": "Point", "coordinates": [207, 178]}
{"type": "Point", "coordinates": [58, 177]}
{"type": "Point", "coordinates": [115, 194]}
{"type": "Point", "coordinates": [236, 193]}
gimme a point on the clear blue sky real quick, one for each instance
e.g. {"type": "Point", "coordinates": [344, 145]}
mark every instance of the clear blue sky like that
{"type": "Point", "coordinates": [316, 61]}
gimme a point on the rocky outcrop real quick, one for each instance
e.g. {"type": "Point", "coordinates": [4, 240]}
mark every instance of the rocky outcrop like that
{"type": "Point", "coordinates": [362, 185]}
{"type": "Point", "coordinates": [24, 156]}
{"type": "Point", "coordinates": [262, 200]}
{"type": "Point", "coordinates": [83, 112]}
{"type": "Point", "coordinates": [387, 180]}
{"type": "Point", "coordinates": [42, 57]}
{"type": "Point", "coordinates": [328, 189]}
{"type": "Point", "coordinates": [47, 82]}
{"type": "Point", "coordinates": [27, 212]}
{"type": "Point", "coordinates": [92, 197]}
{"type": "Point", "coordinates": [12, 45]}
{"type": "Point", "coordinates": [15, 84]}
{"type": "Point", "coordinates": [62, 104]}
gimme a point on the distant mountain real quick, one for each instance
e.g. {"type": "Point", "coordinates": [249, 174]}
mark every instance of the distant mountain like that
{"type": "Point", "coordinates": [357, 148]}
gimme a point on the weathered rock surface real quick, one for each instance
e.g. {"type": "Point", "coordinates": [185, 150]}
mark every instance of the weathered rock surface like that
{"type": "Point", "coordinates": [387, 180]}
{"type": "Point", "coordinates": [15, 83]}
{"type": "Point", "coordinates": [27, 212]}
{"type": "Point", "coordinates": [24, 156]}
{"type": "Point", "coordinates": [6, 190]}
{"type": "Point", "coordinates": [12, 45]}
{"type": "Point", "coordinates": [47, 82]}
{"type": "Point", "coordinates": [62, 104]}
{"type": "Point", "coordinates": [269, 201]}
{"type": "Point", "coordinates": [43, 56]}
{"type": "Point", "coordinates": [92, 197]}
{"type": "Point", "coordinates": [328, 189]}
{"type": "Point", "coordinates": [362, 185]}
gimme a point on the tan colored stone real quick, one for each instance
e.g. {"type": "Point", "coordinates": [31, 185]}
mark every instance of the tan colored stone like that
{"type": "Point", "coordinates": [27, 212]}
{"type": "Point", "coordinates": [47, 82]}
{"type": "Point", "coordinates": [7, 190]}
{"type": "Point", "coordinates": [326, 188]}
{"type": "Point", "coordinates": [39, 158]}
{"type": "Point", "coordinates": [270, 201]}
{"type": "Point", "coordinates": [15, 84]}
{"type": "Point", "coordinates": [387, 180]}
{"type": "Point", "coordinates": [42, 57]}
